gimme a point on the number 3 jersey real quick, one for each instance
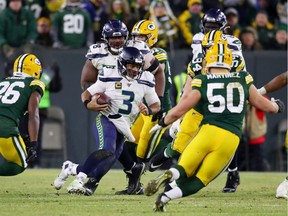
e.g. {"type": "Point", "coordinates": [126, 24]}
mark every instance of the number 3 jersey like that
{"type": "Point", "coordinates": [223, 97]}
{"type": "Point", "coordinates": [125, 95]}
{"type": "Point", "coordinates": [15, 92]}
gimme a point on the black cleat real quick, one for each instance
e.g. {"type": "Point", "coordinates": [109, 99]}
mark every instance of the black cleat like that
{"type": "Point", "coordinates": [233, 180]}
{"type": "Point", "coordinates": [90, 186]}
{"type": "Point", "coordinates": [139, 191]}
{"type": "Point", "coordinates": [134, 177]}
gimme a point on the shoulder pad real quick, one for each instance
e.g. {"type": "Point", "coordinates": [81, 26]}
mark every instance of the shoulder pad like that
{"type": "Point", "coordinates": [98, 48]}
{"type": "Point", "coordinates": [141, 45]}
{"type": "Point", "coordinates": [234, 43]}
{"type": "Point", "coordinates": [148, 76]}
{"type": "Point", "coordinates": [38, 83]}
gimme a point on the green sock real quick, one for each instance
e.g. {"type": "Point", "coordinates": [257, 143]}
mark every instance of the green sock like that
{"type": "Point", "coordinates": [10, 169]}
{"type": "Point", "coordinates": [190, 185]}
{"type": "Point", "coordinates": [172, 153]}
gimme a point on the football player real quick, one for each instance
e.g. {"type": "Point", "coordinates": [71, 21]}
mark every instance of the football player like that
{"type": "Point", "coordinates": [223, 98]}
{"type": "Point", "coordinates": [115, 35]}
{"type": "Point", "coordinates": [20, 93]}
{"type": "Point", "coordinates": [214, 19]}
{"type": "Point", "coordinates": [127, 86]}
{"type": "Point", "coordinates": [147, 31]}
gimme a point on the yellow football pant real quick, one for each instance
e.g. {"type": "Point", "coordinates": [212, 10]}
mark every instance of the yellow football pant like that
{"type": "Point", "coordinates": [188, 128]}
{"type": "Point", "coordinates": [210, 152]}
{"type": "Point", "coordinates": [140, 130]}
{"type": "Point", "coordinates": [13, 150]}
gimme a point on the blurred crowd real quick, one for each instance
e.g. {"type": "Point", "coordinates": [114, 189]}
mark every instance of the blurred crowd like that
{"type": "Point", "coordinates": [259, 24]}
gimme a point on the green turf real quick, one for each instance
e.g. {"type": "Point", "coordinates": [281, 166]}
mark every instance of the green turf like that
{"type": "Point", "coordinates": [31, 193]}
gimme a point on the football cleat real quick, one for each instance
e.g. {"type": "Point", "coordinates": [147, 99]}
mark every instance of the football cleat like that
{"type": "Point", "coordinates": [154, 184]}
{"type": "Point", "coordinates": [139, 191]}
{"type": "Point", "coordinates": [76, 187]}
{"type": "Point", "coordinates": [233, 180]}
{"type": "Point", "coordinates": [134, 178]}
{"type": "Point", "coordinates": [90, 186]}
{"type": "Point", "coordinates": [282, 189]}
{"type": "Point", "coordinates": [64, 174]}
{"type": "Point", "coordinates": [159, 206]}
{"type": "Point", "coordinates": [157, 161]}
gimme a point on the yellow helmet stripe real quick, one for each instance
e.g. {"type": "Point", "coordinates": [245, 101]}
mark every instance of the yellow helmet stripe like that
{"type": "Point", "coordinates": [137, 26]}
{"type": "Point", "coordinates": [221, 53]}
{"type": "Point", "coordinates": [20, 62]}
{"type": "Point", "coordinates": [211, 35]}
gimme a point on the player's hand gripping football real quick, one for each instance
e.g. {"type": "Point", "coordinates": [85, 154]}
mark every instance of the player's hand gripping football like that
{"type": "Point", "coordinates": [95, 106]}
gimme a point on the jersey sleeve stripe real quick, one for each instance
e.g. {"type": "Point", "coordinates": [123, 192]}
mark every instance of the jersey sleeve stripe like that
{"type": "Point", "coordinates": [248, 79]}
{"type": "Point", "coordinates": [38, 83]}
{"type": "Point", "coordinates": [196, 82]}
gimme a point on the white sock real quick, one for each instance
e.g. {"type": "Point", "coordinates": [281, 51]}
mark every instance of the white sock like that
{"type": "Point", "coordinates": [233, 170]}
{"type": "Point", "coordinates": [175, 193]}
{"type": "Point", "coordinates": [81, 177]}
{"type": "Point", "coordinates": [73, 169]}
{"type": "Point", "coordinates": [175, 174]}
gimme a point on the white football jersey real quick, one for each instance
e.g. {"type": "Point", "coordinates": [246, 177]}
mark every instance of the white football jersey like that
{"type": "Point", "coordinates": [234, 44]}
{"type": "Point", "coordinates": [125, 95]}
{"type": "Point", "coordinates": [100, 55]}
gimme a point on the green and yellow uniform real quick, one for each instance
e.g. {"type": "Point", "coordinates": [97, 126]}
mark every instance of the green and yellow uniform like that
{"type": "Point", "coordinates": [223, 98]}
{"type": "Point", "coordinates": [192, 119]}
{"type": "Point", "coordinates": [143, 124]}
{"type": "Point", "coordinates": [15, 92]}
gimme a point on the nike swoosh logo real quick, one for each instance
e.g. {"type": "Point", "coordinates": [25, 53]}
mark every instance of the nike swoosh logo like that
{"type": "Point", "coordinates": [154, 166]}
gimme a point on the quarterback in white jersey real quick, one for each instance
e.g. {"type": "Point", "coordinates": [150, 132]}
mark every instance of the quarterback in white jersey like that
{"type": "Point", "coordinates": [127, 86]}
{"type": "Point", "coordinates": [125, 93]}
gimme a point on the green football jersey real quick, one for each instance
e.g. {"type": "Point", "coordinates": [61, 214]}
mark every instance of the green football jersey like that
{"type": "Point", "coordinates": [195, 67]}
{"type": "Point", "coordinates": [72, 27]}
{"type": "Point", "coordinates": [224, 99]}
{"type": "Point", "coordinates": [14, 97]}
{"type": "Point", "coordinates": [162, 57]}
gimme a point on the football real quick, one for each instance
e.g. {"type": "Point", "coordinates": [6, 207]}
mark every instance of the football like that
{"type": "Point", "coordinates": [103, 99]}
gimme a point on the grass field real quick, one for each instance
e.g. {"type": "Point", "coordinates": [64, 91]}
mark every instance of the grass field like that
{"type": "Point", "coordinates": [31, 193]}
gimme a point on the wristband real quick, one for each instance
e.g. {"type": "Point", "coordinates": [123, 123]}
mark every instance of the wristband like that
{"type": "Point", "coordinates": [86, 103]}
{"type": "Point", "coordinates": [33, 144]}
{"type": "Point", "coordinates": [262, 91]}
{"type": "Point", "coordinates": [162, 123]}
{"type": "Point", "coordinates": [149, 110]}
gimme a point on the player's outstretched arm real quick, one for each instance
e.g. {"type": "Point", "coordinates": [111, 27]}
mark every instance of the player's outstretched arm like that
{"type": "Point", "coordinates": [275, 84]}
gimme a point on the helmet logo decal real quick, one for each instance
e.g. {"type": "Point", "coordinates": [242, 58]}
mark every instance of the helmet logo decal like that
{"type": "Point", "coordinates": [37, 61]}
{"type": "Point", "coordinates": [151, 26]}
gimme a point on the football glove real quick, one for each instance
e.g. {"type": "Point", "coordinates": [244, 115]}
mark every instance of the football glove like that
{"type": "Point", "coordinates": [158, 126]}
{"type": "Point", "coordinates": [31, 152]}
{"type": "Point", "coordinates": [159, 114]}
{"type": "Point", "coordinates": [280, 104]}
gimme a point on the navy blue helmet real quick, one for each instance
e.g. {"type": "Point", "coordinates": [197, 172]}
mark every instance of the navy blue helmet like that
{"type": "Point", "coordinates": [114, 28]}
{"type": "Point", "coordinates": [130, 55]}
{"type": "Point", "coordinates": [213, 19]}
{"type": "Point", "coordinates": [118, 30]}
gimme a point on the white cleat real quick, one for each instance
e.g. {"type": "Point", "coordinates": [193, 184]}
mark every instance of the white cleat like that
{"type": "Point", "coordinates": [282, 190]}
{"type": "Point", "coordinates": [76, 187]}
{"type": "Point", "coordinates": [64, 174]}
